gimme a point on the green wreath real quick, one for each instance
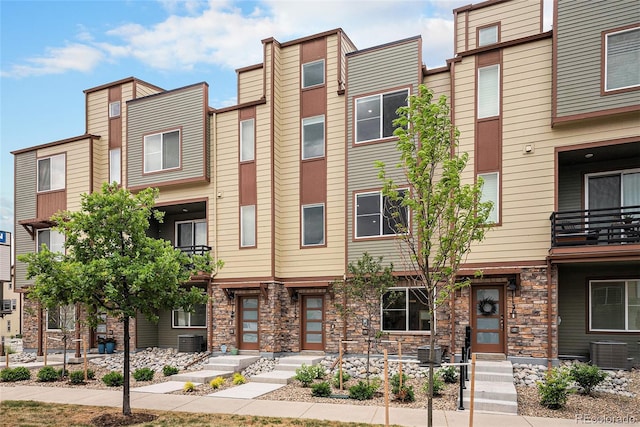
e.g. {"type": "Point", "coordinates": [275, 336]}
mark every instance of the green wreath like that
{"type": "Point", "coordinates": [487, 306]}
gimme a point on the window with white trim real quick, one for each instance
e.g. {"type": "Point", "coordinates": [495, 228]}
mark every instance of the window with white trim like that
{"type": "Point", "coordinates": [114, 109]}
{"type": "Point", "coordinates": [313, 73]}
{"type": "Point", "coordinates": [162, 151]}
{"type": "Point", "coordinates": [614, 305]}
{"type": "Point", "coordinates": [51, 173]}
{"type": "Point", "coordinates": [488, 91]}
{"type": "Point", "coordinates": [312, 137]}
{"type": "Point", "coordinates": [405, 309]}
{"type": "Point", "coordinates": [247, 226]}
{"type": "Point", "coordinates": [313, 225]}
{"type": "Point", "coordinates": [114, 165]}
{"type": "Point", "coordinates": [6, 305]}
{"type": "Point", "coordinates": [491, 193]}
{"type": "Point", "coordinates": [187, 319]}
{"type": "Point", "coordinates": [378, 215]}
{"type": "Point", "coordinates": [61, 318]}
{"type": "Point", "coordinates": [52, 239]}
{"type": "Point", "coordinates": [247, 140]}
{"type": "Point", "coordinates": [488, 35]}
{"type": "Point", "coordinates": [622, 68]}
{"type": "Point", "coordinates": [375, 115]}
{"type": "Point", "coordinates": [191, 233]}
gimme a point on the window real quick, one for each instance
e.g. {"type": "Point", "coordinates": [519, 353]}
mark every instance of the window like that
{"type": "Point", "coordinates": [488, 35]}
{"type": "Point", "coordinates": [312, 137]}
{"type": "Point", "coordinates": [612, 190]}
{"type": "Point", "coordinates": [405, 309]}
{"type": "Point", "coordinates": [6, 305]}
{"type": "Point", "coordinates": [313, 225]}
{"type": "Point", "coordinates": [622, 68]}
{"type": "Point", "coordinates": [377, 215]}
{"type": "Point", "coordinates": [186, 319]}
{"type": "Point", "coordinates": [114, 165]}
{"type": "Point", "coordinates": [375, 115]}
{"type": "Point", "coordinates": [247, 226]}
{"type": "Point", "coordinates": [114, 109]}
{"type": "Point", "coordinates": [162, 151]}
{"type": "Point", "coordinates": [313, 73]}
{"type": "Point", "coordinates": [488, 91]}
{"type": "Point", "coordinates": [14, 304]}
{"type": "Point", "coordinates": [8, 325]}
{"type": "Point", "coordinates": [61, 318]}
{"type": "Point", "coordinates": [53, 240]}
{"type": "Point", "coordinates": [51, 173]}
{"type": "Point", "coordinates": [490, 193]}
{"type": "Point", "coordinates": [614, 305]}
{"type": "Point", "coordinates": [191, 233]}
{"type": "Point", "coordinates": [247, 140]}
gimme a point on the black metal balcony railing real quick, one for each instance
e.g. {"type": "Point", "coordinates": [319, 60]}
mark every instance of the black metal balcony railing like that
{"type": "Point", "coordinates": [195, 249]}
{"type": "Point", "coordinates": [596, 227]}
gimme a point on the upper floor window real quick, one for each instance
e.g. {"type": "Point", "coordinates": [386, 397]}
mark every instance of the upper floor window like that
{"type": "Point", "coordinates": [405, 309]}
{"type": "Point", "coordinates": [52, 239]}
{"type": "Point", "coordinates": [114, 109]}
{"type": "Point", "coordinates": [51, 173]}
{"type": "Point", "coordinates": [490, 193]}
{"type": "Point", "coordinates": [247, 140]}
{"type": "Point", "coordinates": [162, 151]}
{"type": "Point", "coordinates": [488, 91]}
{"type": "Point", "coordinates": [375, 115]}
{"type": "Point", "coordinates": [247, 226]}
{"type": "Point", "coordinates": [191, 233]}
{"type": "Point", "coordinates": [114, 165]}
{"type": "Point", "coordinates": [614, 305]}
{"type": "Point", "coordinates": [622, 68]}
{"type": "Point", "coordinates": [377, 215]}
{"type": "Point", "coordinates": [62, 317]}
{"type": "Point", "coordinates": [312, 137]}
{"type": "Point", "coordinates": [313, 225]}
{"type": "Point", "coordinates": [187, 319]}
{"type": "Point", "coordinates": [313, 73]}
{"type": "Point", "coordinates": [487, 35]}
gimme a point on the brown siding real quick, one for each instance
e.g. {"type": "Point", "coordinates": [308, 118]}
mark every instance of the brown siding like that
{"type": "Point", "coordinates": [314, 181]}
{"type": "Point", "coordinates": [314, 102]}
{"type": "Point", "coordinates": [489, 147]}
{"type": "Point", "coordinates": [248, 192]}
{"type": "Point", "coordinates": [51, 202]}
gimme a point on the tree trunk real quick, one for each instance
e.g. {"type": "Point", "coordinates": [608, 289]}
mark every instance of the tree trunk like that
{"type": "Point", "coordinates": [432, 353]}
{"type": "Point", "coordinates": [126, 395]}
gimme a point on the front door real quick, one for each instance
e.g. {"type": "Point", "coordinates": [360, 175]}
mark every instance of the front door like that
{"type": "Point", "coordinates": [487, 316]}
{"type": "Point", "coordinates": [248, 323]}
{"type": "Point", "coordinates": [313, 322]}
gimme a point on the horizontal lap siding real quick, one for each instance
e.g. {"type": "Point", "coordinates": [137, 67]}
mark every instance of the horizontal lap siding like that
{"type": "Point", "coordinates": [250, 85]}
{"type": "Point", "coordinates": [517, 19]}
{"type": "Point", "coordinates": [25, 208]}
{"type": "Point", "coordinates": [98, 124]}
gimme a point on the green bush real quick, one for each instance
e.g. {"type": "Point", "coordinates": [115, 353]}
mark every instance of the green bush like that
{"type": "Point", "coordinates": [363, 391]}
{"type": "Point", "coordinates": [318, 371]}
{"type": "Point", "coordinates": [169, 370]}
{"type": "Point", "coordinates": [404, 393]}
{"type": "Point", "coordinates": [48, 374]}
{"type": "Point", "coordinates": [305, 374]}
{"type": "Point", "coordinates": [448, 374]}
{"type": "Point", "coordinates": [15, 374]}
{"type": "Point", "coordinates": [216, 382]}
{"type": "Point", "coordinates": [322, 389]}
{"type": "Point", "coordinates": [553, 391]}
{"type": "Point", "coordinates": [143, 374]}
{"type": "Point", "coordinates": [90, 374]}
{"type": "Point", "coordinates": [238, 379]}
{"type": "Point", "coordinates": [438, 385]}
{"type": "Point", "coordinates": [336, 378]}
{"type": "Point", "coordinates": [586, 376]}
{"type": "Point", "coordinates": [77, 377]}
{"type": "Point", "coordinates": [113, 379]}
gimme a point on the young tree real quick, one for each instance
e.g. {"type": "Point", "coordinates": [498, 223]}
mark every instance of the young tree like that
{"type": "Point", "coordinates": [112, 266]}
{"type": "Point", "coordinates": [447, 216]}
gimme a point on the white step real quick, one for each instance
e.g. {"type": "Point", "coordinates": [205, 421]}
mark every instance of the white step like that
{"type": "Point", "coordinates": [492, 390]}
{"type": "Point", "coordinates": [494, 377]}
{"type": "Point", "coordinates": [273, 377]}
{"type": "Point", "coordinates": [291, 363]}
{"type": "Point", "coordinates": [494, 367]}
{"type": "Point", "coordinates": [495, 406]}
{"type": "Point", "coordinates": [204, 376]}
{"type": "Point", "coordinates": [233, 363]}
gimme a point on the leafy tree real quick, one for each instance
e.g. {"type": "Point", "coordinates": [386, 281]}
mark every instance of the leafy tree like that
{"type": "Point", "coordinates": [447, 216]}
{"type": "Point", "coordinates": [112, 266]}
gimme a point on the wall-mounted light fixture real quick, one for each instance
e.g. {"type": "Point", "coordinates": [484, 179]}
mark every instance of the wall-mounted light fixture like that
{"type": "Point", "coordinates": [512, 286]}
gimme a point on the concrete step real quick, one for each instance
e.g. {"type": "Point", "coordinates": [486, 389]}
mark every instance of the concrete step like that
{"type": "Point", "coordinates": [204, 376]}
{"type": "Point", "coordinates": [291, 363]}
{"type": "Point", "coordinates": [494, 406]}
{"type": "Point", "coordinates": [273, 377]}
{"type": "Point", "coordinates": [234, 363]}
{"type": "Point", "coordinates": [492, 390]}
{"type": "Point", "coordinates": [494, 377]}
{"type": "Point", "coordinates": [491, 356]}
{"type": "Point", "coordinates": [503, 367]}
{"type": "Point", "coordinates": [220, 367]}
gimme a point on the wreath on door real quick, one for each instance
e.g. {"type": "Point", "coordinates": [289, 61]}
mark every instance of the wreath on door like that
{"type": "Point", "coordinates": [487, 306]}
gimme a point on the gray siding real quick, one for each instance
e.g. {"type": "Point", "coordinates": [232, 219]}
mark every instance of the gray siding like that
{"type": "Point", "coordinates": [183, 108]}
{"type": "Point", "coordinates": [168, 336]}
{"type": "Point", "coordinates": [146, 332]}
{"type": "Point", "coordinates": [25, 208]}
{"type": "Point", "coordinates": [580, 24]}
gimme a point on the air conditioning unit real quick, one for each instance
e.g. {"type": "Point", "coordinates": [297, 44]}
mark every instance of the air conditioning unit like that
{"type": "Point", "coordinates": [423, 355]}
{"type": "Point", "coordinates": [609, 354]}
{"type": "Point", "coordinates": [189, 343]}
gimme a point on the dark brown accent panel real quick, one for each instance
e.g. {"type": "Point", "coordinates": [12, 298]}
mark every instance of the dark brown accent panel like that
{"type": "Point", "coordinates": [314, 102]}
{"type": "Point", "coordinates": [313, 185]}
{"type": "Point", "coordinates": [248, 191]}
{"type": "Point", "coordinates": [115, 93]}
{"type": "Point", "coordinates": [488, 151]}
{"type": "Point", "coordinates": [248, 113]}
{"type": "Point", "coordinates": [314, 50]}
{"type": "Point", "coordinates": [50, 203]}
{"type": "Point", "coordinates": [489, 58]}
{"type": "Point", "coordinates": [115, 133]}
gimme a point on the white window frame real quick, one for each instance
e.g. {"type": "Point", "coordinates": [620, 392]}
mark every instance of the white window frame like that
{"type": "Point", "coordinates": [71, 324]}
{"type": "Point", "coordinates": [115, 165]}
{"type": "Point", "coordinates": [381, 117]}
{"type": "Point", "coordinates": [148, 152]}
{"type": "Point", "coordinates": [494, 215]}
{"type": "Point", "coordinates": [114, 109]}
{"type": "Point", "coordinates": [488, 92]}
{"type": "Point", "coordinates": [306, 65]}
{"type": "Point", "coordinates": [193, 223]}
{"type": "Point", "coordinates": [248, 234]}
{"type": "Point", "coordinates": [57, 173]}
{"type": "Point", "coordinates": [188, 317]}
{"type": "Point", "coordinates": [625, 302]}
{"type": "Point", "coordinates": [381, 215]}
{"type": "Point", "coordinates": [406, 310]}
{"type": "Point", "coordinates": [621, 172]}
{"type": "Point", "coordinates": [633, 59]}
{"type": "Point", "coordinates": [56, 240]}
{"type": "Point", "coordinates": [302, 216]}
{"type": "Point", "coordinates": [247, 140]}
{"type": "Point", "coordinates": [308, 121]}
{"type": "Point", "coordinates": [487, 35]}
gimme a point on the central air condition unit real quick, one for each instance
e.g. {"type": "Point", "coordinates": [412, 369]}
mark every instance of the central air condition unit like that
{"type": "Point", "coordinates": [423, 355]}
{"type": "Point", "coordinates": [609, 354]}
{"type": "Point", "coordinates": [189, 343]}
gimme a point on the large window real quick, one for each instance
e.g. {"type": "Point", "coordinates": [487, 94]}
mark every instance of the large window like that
{"type": "Point", "coordinates": [405, 309]}
{"type": "Point", "coordinates": [61, 318]}
{"type": "Point", "coordinates": [52, 239]}
{"type": "Point", "coordinates": [607, 190]}
{"type": "Point", "coordinates": [375, 115]}
{"type": "Point", "coordinates": [488, 91]}
{"type": "Point", "coordinates": [191, 233]}
{"type": "Point", "coordinates": [186, 319]}
{"type": "Point", "coordinates": [313, 137]}
{"type": "Point", "coordinates": [491, 193]}
{"type": "Point", "coordinates": [614, 305]}
{"type": "Point", "coordinates": [622, 68]}
{"type": "Point", "coordinates": [313, 225]}
{"type": "Point", "coordinates": [313, 73]}
{"type": "Point", "coordinates": [247, 226]}
{"type": "Point", "coordinates": [114, 165]}
{"type": "Point", "coordinates": [162, 151]}
{"type": "Point", "coordinates": [51, 173]}
{"type": "Point", "coordinates": [247, 140]}
{"type": "Point", "coordinates": [377, 215]}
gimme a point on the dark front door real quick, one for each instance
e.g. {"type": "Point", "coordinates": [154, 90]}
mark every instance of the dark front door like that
{"type": "Point", "coordinates": [487, 316]}
{"type": "Point", "coordinates": [248, 321]}
{"type": "Point", "coordinates": [312, 322]}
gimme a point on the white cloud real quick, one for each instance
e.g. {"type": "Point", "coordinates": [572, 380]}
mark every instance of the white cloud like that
{"type": "Point", "coordinates": [72, 57]}
{"type": "Point", "coordinates": [6, 214]}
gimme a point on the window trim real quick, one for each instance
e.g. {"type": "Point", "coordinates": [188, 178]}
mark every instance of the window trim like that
{"type": "Point", "coordinates": [620, 172]}
{"type": "Point", "coordinates": [302, 74]}
{"type": "Point", "coordinates": [255, 239]}
{"type": "Point", "coordinates": [112, 107]}
{"type": "Point", "coordinates": [253, 140]}
{"type": "Point", "coordinates": [604, 61]}
{"type": "Point", "coordinates": [626, 330]}
{"type": "Point", "coordinates": [50, 230]}
{"type": "Point", "coordinates": [313, 120]}
{"type": "Point", "coordinates": [324, 226]}
{"type": "Point", "coordinates": [495, 25]}
{"type": "Point", "coordinates": [111, 165]}
{"type": "Point", "coordinates": [498, 95]}
{"type": "Point", "coordinates": [46, 320]}
{"type": "Point", "coordinates": [380, 96]}
{"type": "Point", "coordinates": [189, 326]}
{"type": "Point", "coordinates": [498, 203]}
{"type": "Point", "coordinates": [407, 330]}
{"type": "Point", "coordinates": [162, 133]}
{"type": "Point", "coordinates": [64, 178]}
{"type": "Point", "coordinates": [193, 222]}
{"type": "Point", "coordinates": [382, 196]}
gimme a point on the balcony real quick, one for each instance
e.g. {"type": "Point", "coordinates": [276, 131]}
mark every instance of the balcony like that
{"type": "Point", "coordinates": [195, 249]}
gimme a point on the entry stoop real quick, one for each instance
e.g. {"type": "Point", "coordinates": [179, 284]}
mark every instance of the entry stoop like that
{"type": "Point", "coordinates": [494, 388]}
{"type": "Point", "coordinates": [285, 370]}
{"type": "Point", "coordinates": [220, 366]}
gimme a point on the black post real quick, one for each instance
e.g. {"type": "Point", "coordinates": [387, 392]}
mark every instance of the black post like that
{"type": "Point", "coordinates": [467, 345]}
{"type": "Point", "coordinates": [462, 387]}
{"type": "Point", "coordinates": [463, 369]}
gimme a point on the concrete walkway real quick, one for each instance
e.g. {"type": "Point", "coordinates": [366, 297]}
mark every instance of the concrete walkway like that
{"type": "Point", "coordinates": [301, 410]}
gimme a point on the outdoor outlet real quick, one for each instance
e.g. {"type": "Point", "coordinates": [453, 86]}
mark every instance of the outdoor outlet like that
{"type": "Point", "coordinates": [528, 149]}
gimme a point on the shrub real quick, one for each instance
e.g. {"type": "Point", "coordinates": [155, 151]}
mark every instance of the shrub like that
{"type": "Point", "coordinates": [438, 385]}
{"type": "Point", "coordinates": [113, 379]}
{"type": "Point", "coordinates": [553, 391]}
{"type": "Point", "coordinates": [90, 374]}
{"type": "Point", "coordinates": [238, 379]}
{"type": "Point", "coordinates": [216, 382]}
{"type": "Point", "coordinates": [48, 374]}
{"type": "Point", "coordinates": [336, 378]}
{"type": "Point", "coordinates": [363, 391]}
{"type": "Point", "coordinates": [15, 374]}
{"type": "Point", "coordinates": [188, 387]}
{"type": "Point", "coordinates": [169, 370]}
{"type": "Point", "coordinates": [448, 374]}
{"type": "Point", "coordinates": [586, 376]}
{"type": "Point", "coordinates": [322, 389]}
{"type": "Point", "coordinates": [143, 374]}
{"type": "Point", "coordinates": [305, 374]}
{"type": "Point", "coordinates": [318, 371]}
{"type": "Point", "coordinates": [404, 393]}
{"type": "Point", "coordinates": [77, 377]}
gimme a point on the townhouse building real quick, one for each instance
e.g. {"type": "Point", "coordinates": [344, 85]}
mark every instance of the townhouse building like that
{"type": "Point", "coordinates": [283, 187]}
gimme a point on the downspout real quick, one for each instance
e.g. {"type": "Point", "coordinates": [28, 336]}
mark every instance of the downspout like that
{"type": "Point", "coordinates": [549, 315]}
{"type": "Point", "coordinates": [213, 165]}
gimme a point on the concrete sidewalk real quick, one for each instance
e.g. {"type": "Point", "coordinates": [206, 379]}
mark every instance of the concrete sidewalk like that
{"type": "Point", "coordinates": [269, 408]}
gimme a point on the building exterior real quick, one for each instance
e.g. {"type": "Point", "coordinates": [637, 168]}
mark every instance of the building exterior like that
{"type": "Point", "coordinates": [283, 188]}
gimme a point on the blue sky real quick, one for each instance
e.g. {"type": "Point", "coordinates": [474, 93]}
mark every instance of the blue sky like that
{"type": "Point", "coordinates": [51, 51]}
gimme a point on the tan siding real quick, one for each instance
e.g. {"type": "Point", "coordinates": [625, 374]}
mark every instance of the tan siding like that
{"type": "Point", "coordinates": [250, 84]}
{"type": "Point", "coordinates": [98, 124]}
{"type": "Point", "coordinates": [25, 208]}
{"type": "Point", "coordinates": [144, 90]}
{"type": "Point", "coordinates": [517, 19]}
